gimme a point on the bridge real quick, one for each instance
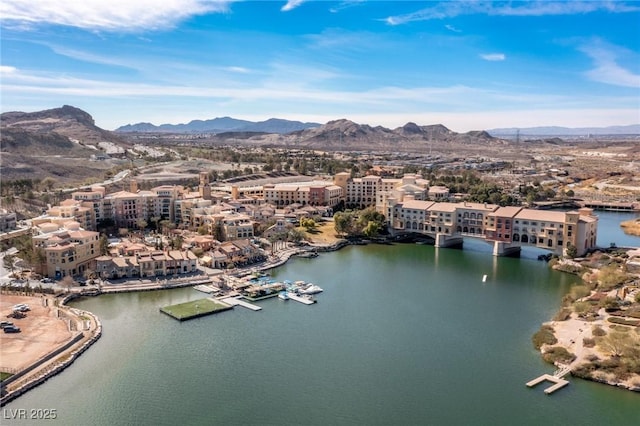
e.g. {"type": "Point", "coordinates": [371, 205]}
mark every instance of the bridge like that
{"type": "Point", "coordinates": [507, 228]}
{"type": "Point", "coordinates": [456, 240]}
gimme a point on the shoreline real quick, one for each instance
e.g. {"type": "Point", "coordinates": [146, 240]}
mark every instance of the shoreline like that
{"type": "Point", "coordinates": [69, 354]}
{"type": "Point", "coordinates": [580, 335]}
{"type": "Point", "coordinates": [56, 360]}
{"type": "Point", "coordinates": [61, 357]}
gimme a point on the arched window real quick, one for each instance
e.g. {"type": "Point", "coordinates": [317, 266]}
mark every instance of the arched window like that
{"type": "Point", "coordinates": [525, 238]}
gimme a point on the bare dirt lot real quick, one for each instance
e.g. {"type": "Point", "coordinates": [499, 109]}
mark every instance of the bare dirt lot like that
{"type": "Point", "coordinates": [41, 332]}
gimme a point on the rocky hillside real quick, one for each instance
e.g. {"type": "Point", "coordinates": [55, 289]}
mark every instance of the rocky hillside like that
{"type": "Point", "coordinates": [56, 143]}
{"type": "Point", "coordinates": [67, 121]}
{"type": "Point", "coordinates": [346, 135]}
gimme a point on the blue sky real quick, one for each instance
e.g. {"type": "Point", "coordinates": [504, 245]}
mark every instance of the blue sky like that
{"type": "Point", "coordinates": [465, 64]}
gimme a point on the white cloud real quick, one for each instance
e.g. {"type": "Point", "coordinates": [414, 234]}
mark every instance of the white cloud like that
{"type": "Point", "coordinates": [101, 15]}
{"type": "Point", "coordinates": [291, 4]}
{"type": "Point", "coordinates": [607, 70]}
{"type": "Point", "coordinates": [346, 4]}
{"type": "Point", "coordinates": [451, 9]}
{"type": "Point", "coordinates": [240, 70]}
{"type": "Point", "coordinates": [5, 69]}
{"type": "Point", "coordinates": [452, 28]}
{"type": "Point", "coordinates": [493, 56]}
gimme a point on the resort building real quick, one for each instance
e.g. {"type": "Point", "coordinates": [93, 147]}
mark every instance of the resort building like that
{"type": "Point", "coordinates": [314, 193]}
{"type": "Point", "coordinates": [67, 250]}
{"type": "Point", "coordinates": [365, 192]}
{"type": "Point", "coordinates": [508, 228]}
{"type": "Point", "coordinates": [66, 211]}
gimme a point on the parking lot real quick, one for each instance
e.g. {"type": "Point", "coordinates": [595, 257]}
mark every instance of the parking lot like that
{"type": "Point", "coordinates": [41, 332]}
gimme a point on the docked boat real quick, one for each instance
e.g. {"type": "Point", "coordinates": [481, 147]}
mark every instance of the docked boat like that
{"type": "Point", "coordinates": [283, 295]}
{"type": "Point", "coordinates": [311, 289]}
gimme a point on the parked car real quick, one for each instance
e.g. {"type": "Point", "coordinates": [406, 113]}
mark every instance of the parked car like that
{"type": "Point", "coordinates": [11, 329]}
{"type": "Point", "coordinates": [21, 307]}
{"type": "Point", "coordinates": [4, 324]}
{"type": "Point", "coordinates": [46, 280]}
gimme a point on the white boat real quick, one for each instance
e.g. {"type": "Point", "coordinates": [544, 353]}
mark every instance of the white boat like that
{"type": "Point", "coordinates": [311, 289]}
{"type": "Point", "coordinates": [283, 295]}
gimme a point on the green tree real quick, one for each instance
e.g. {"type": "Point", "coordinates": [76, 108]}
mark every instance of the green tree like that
{"type": "Point", "coordinates": [571, 251]}
{"type": "Point", "coordinates": [9, 262]}
{"type": "Point", "coordinates": [343, 222]}
{"type": "Point", "coordinates": [295, 235]}
{"type": "Point", "coordinates": [176, 242]}
{"type": "Point", "coordinates": [372, 229]}
{"type": "Point", "coordinates": [103, 244]}
{"type": "Point", "coordinates": [308, 223]}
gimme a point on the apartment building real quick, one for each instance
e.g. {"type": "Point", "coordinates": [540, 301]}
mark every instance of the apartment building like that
{"type": "Point", "coordinates": [69, 211]}
{"type": "Point", "coordinates": [146, 263]}
{"type": "Point", "coordinates": [68, 250]}
{"type": "Point", "coordinates": [314, 193]}
{"type": "Point", "coordinates": [367, 191]}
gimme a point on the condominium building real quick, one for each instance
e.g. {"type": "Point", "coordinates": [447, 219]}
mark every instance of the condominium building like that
{"type": "Point", "coordinates": [146, 263]}
{"type": "Point", "coordinates": [366, 191]}
{"type": "Point", "coordinates": [314, 193]}
{"type": "Point", "coordinates": [66, 211]}
{"type": "Point", "coordinates": [68, 250]}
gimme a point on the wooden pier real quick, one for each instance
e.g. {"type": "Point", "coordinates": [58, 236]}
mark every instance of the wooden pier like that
{"type": "Point", "coordinates": [556, 378]}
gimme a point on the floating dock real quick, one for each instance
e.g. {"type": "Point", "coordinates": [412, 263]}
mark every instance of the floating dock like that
{"type": "Point", "coordinates": [557, 379]}
{"type": "Point", "coordinates": [195, 309]}
{"type": "Point", "coordinates": [236, 301]}
{"type": "Point", "coordinates": [301, 299]}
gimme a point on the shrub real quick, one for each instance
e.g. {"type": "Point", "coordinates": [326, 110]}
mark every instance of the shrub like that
{"type": "Point", "coordinates": [611, 277]}
{"type": "Point", "coordinates": [616, 320]}
{"type": "Point", "coordinates": [598, 331]}
{"type": "Point", "coordinates": [544, 336]}
{"type": "Point", "coordinates": [558, 354]}
{"type": "Point", "coordinates": [581, 307]}
{"type": "Point", "coordinates": [592, 358]}
{"type": "Point", "coordinates": [580, 291]}
{"type": "Point", "coordinates": [589, 342]}
{"type": "Point", "coordinates": [562, 315]}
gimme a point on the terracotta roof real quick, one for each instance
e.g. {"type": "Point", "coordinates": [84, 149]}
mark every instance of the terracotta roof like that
{"type": "Point", "coordinates": [541, 215]}
{"type": "Point", "coordinates": [417, 204]}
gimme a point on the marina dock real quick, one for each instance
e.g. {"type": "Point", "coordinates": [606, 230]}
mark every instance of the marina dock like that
{"type": "Point", "coordinates": [237, 301]}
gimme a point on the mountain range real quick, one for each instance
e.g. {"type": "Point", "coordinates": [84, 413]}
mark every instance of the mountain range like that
{"type": "Point", "coordinates": [633, 129]}
{"type": "Point", "coordinates": [59, 142]}
{"type": "Point", "coordinates": [283, 127]}
{"type": "Point", "coordinates": [220, 125]}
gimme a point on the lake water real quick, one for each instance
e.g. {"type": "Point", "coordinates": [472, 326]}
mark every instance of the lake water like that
{"type": "Point", "coordinates": [402, 335]}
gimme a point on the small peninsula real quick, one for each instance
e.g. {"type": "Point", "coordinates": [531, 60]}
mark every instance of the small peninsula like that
{"type": "Point", "coordinates": [596, 333]}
